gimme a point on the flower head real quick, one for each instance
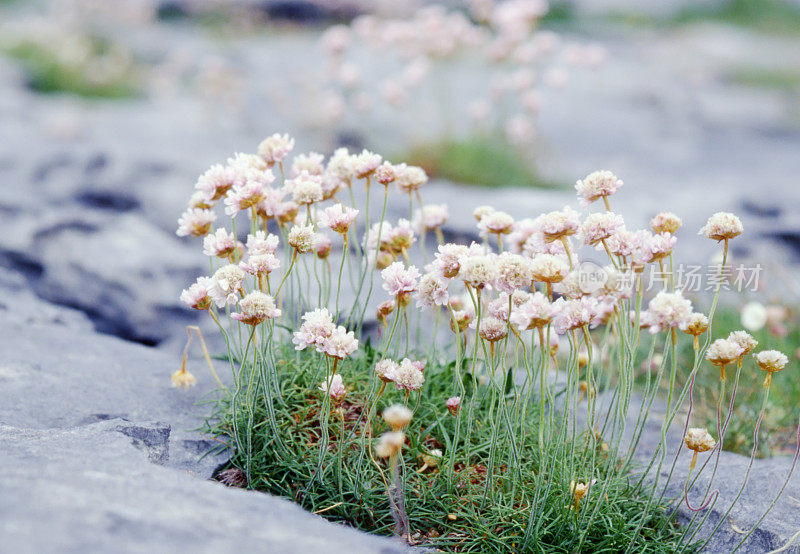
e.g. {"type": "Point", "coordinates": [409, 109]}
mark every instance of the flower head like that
{"type": "Point", "coordinates": [221, 244]}
{"type": "Point", "coordinates": [666, 222]}
{"type": "Point", "coordinates": [696, 324]}
{"type": "Point", "coordinates": [316, 327]}
{"type": "Point", "coordinates": [558, 224]}
{"type": "Point", "coordinates": [573, 314]}
{"type": "Point", "coordinates": [301, 238]}
{"type": "Point", "coordinates": [408, 376]}
{"type": "Point", "coordinates": [385, 173]}
{"type": "Point", "coordinates": [274, 149]}
{"type": "Point", "coordinates": [513, 272]}
{"type": "Point", "coordinates": [496, 222]}
{"type": "Point", "coordinates": [389, 444]}
{"type": "Point", "coordinates": [478, 271]}
{"type": "Point", "coordinates": [492, 329]}
{"type": "Point", "coordinates": [334, 387]}
{"type": "Point", "coordinates": [260, 264]}
{"type": "Point", "coordinates": [322, 245]}
{"type": "Point", "coordinates": [195, 222]}
{"type": "Point", "coordinates": [182, 379]}
{"type": "Point", "coordinates": [196, 296]}
{"type": "Point", "coordinates": [385, 368]}
{"type": "Point", "coordinates": [722, 226]}
{"type": "Point", "coordinates": [771, 360]}
{"type": "Point", "coordinates": [366, 163]}
{"type": "Point", "coordinates": [431, 217]}
{"type": "Point", "coordinates": [216, 182]}
{"type": "Point", "coordinates": [409, 177]}
{"type": "Point", "coordinates": [600, 226]}
{"type": "Point", "coordinates": [432, 291]}
{"type": "Point", "coordinates": [306, 188]}
{"type": "Point", "coordinates": [255, 308]}
{"type": "Point", "coordinates": [548, 268]}
{"type": "Point", "coordinates": [453, 404]}
{"type": "Point", "coordinates": [699, 439]}
{"type": "Point", "coordinates": [743, 339]}
{"type": "Point", "coordinates": [536, 312]}
{"type": "Point", "coordinates": [261, 243]}
{"type": "Point", "coordinates": [754, 316]}
{"type": "Point", "coordinates": [723, 352]}
{"type": "Point", "coordinates": [225, 285]}
{"type": "Point", "coordinates": [339, 344]}
{"type": "Point", "coordinates": [596, 185]}
{"type": "Point", "coordinates": [397, 416]}
{"type": "Point", "coordinates": [668, 310]}
{"type": "Point", "coordinates": [398, 279]}
{"type": "Point", "coordinates": [338, 218]}
{"type": "Point", "coordinates": [311, 163]}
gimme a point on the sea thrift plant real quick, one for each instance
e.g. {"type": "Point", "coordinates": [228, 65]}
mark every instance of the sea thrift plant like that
{"type": "Point", "coordinates": [510, 429]}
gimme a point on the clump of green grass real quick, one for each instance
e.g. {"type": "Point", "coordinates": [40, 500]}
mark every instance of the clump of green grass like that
{"type": "Point", "coordinates": [769, 16]}
{"type": "Point", "coordinates": [50, 73]}
{"type": "Point", "coordinates": [783, 80]}
{"type": "Point", "coordinates": [477, 160]}
{"type": "Point", "coordinates": [461, 516]}
{"type": "Point", "coordinates": [779, 418]}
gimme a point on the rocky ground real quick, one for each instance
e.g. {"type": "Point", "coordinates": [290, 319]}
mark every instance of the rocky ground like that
{"type": "Point", "coordinates": [91, 191]}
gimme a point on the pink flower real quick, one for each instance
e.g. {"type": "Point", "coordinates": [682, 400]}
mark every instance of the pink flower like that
{"type": "Point", "coordinates": [311, 163]}
{"type": "Point", "coordinates": [195, 222]}
{"type": "Point", "coordinates": [243, 197]}
{"type": "Point", "coordinates": [558, 224]}
{"type": "Point", "coordinates": [447, 259]}
{"type": "Point", "coordinates": [431, 217]}
{"type": "Point", "coordinates": [432, 291]}
{"type": "Point", "coordinates": [598, 227]}
{"type": "Point", "coordinates": [573, 314]}
{"type": "Point", "coordinates": [536, 312]}
{"type": "Point", "coordinates": [339, 344]}
{"type": "Point", "coordinates": [274, 149]}
{"type": "Point", "coordinates": [316, 327]}
{"type": "Point", "coordinates": [597, 185]}
{"type": "Point", "coordinates": [453, 404]}
{"type": "Point", "coordinates": [513, 272]}
{"type": "Point", "coordinates": [262, 243]}
{"type": "Point", "coordinates": [215, 182]}
{"type": "Point", "coordinates": [668, 310]}
{"type": "Point", "coordinates": [397, 279]}
{"type": "Point", "coordinates": [255, 308]}
{"type": "Point", "coordinates": [334, 387]}
{"type": "Point", "coordinates": [338, 218]}
{"type": "Point", "coordinates": [196, 296]}
{"type": "Point", "coordinates": [260, 264]}
{"type": "Point", "coordinates": [305, 188]}
{"type": "Point", "coordinates": [220, 244]}
{"type": "Point", "coordinates": [366, 163]}
{"type": "Point", "coordinates": [408, 376]}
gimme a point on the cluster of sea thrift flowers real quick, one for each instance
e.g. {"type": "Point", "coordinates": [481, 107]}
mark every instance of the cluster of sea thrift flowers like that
{"type": "Point", "coordinates": [511, 300]}
{"type": "Point", "coordinates": [522, 60]}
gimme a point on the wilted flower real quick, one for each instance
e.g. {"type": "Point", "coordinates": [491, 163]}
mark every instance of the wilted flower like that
{"type": "Point", "coordinates": [699, 440]}
{"type": "Point", "coordinates": [389, 444]}
{"type": "Point", "coordinates": [722, 226]}
{"type": "Point", "coordinates": [579, 490]}
{"type": "Point", "coordinates": [182, 379]}
{"type": "Point", "coordinates": [195, 222]}
{"type": "Point", "coordinates": [596, 185]}
{"type": "Point", "coordinates": [397, 416]}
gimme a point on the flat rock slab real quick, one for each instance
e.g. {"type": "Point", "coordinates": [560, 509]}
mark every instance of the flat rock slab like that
{"type": "Point", "coordinates": [96, 445]}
